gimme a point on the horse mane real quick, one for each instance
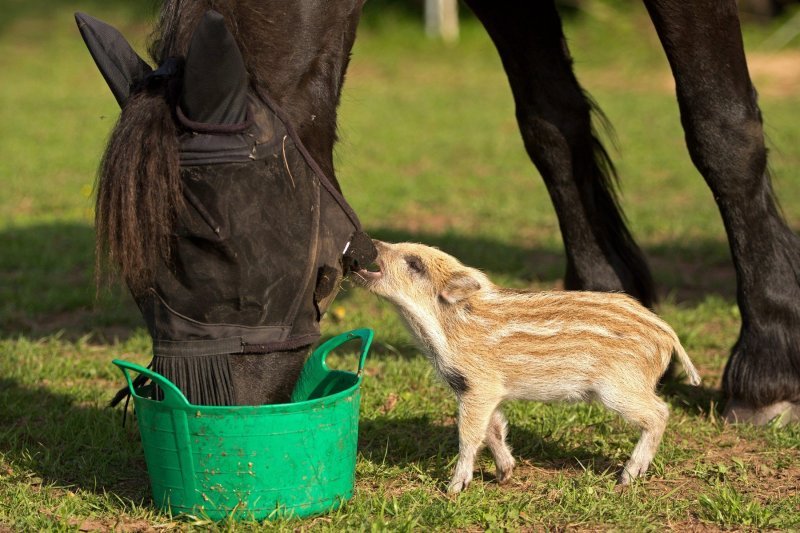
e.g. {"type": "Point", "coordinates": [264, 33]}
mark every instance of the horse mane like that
{"type": "Point", "coordinates": [297, 52]}
{"type": "Point", "coordinates": [138, 191]}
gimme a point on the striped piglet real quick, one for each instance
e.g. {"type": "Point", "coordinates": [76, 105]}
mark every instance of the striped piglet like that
{"type": "Point", "coordinates": [492, 344]}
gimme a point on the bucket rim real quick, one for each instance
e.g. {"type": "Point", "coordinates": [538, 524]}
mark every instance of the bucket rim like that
{"type": "Point", "coordinates": [175, 399]}
{"type": "Point", "coordinates": [259, 409]}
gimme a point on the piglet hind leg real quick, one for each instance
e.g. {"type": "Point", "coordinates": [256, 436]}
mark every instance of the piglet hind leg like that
{"type": "Point", "coordinates": [475, 413]}
{"type": "Point", "coordinates": [496, 442]}
{"type": "Point", "coordinates": [646, 411]}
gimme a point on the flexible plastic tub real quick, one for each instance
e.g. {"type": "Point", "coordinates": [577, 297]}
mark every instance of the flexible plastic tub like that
{"type": "Point", "coordinates": [268, 461]}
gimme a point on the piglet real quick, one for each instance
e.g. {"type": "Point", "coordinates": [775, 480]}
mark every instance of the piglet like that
{"type": "Point", "coordinates": [492, 344]}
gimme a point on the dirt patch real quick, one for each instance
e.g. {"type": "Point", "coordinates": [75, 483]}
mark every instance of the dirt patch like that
{"type": "Point", "coordinates": [693, 527]}
{"type": "Point", "coordinates": [421, 219]}
{"type": "Point", "coordinates": [120, 525]}
{"type": "Point", "coordinates": [748, 465]}
{"type": "Point", "coordinates": [775, 74]}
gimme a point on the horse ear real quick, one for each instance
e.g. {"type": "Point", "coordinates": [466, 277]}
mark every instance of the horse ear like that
{"type": "Point", "coordinates": [214, 75]}
{"type": "Point", "coordinates": [460, 287]}
{"type": "Point", "coordinates": [120, 66]}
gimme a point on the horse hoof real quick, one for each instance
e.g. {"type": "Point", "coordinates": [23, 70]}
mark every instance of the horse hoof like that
{"type": "Point", "coordinates": [740, 412]}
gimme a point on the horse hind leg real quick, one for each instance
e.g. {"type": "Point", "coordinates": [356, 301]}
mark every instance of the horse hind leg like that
{"type": "Point", "coordinates": [725, 138]}
{"type": "Point", "coordinates": [554, 117]}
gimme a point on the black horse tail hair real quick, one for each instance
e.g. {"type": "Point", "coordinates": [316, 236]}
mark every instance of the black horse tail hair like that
{"type": "Point", "coordinates": [611, 220]}
{"type": "Point", "coordinates": [138, 191]}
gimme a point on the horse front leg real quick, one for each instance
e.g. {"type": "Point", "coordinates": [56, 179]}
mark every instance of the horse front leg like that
{"type": "Point", "coordinates": [724, 134]}
{"type": "Point", "coordinates": [554, 117]}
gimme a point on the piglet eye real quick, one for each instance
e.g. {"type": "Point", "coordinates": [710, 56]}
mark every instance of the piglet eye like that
{"type": "Point", "coordinates": [415, 264]}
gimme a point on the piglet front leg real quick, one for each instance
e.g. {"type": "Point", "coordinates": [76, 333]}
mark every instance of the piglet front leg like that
{"type": "Point", "coordinates": [474, 414]}
{"type": "Point", "coordinates": [462, 476]}
{"type": "Point", "coordinates": [496, 442]}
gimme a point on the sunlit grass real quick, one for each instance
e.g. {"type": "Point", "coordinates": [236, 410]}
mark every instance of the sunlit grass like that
{"type": "Point", "coordinates": [430, 152]}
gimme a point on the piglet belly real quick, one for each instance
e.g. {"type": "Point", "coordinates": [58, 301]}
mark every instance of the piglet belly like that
{"type": "Point", "coordinates": [556, 380]}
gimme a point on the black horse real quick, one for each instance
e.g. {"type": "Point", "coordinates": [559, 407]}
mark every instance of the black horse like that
{"type": "Point", "coordinates": [296, 53]}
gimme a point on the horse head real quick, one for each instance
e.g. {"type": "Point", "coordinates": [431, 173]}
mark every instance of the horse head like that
{"type": "Point", "coordinates": [216, 198]}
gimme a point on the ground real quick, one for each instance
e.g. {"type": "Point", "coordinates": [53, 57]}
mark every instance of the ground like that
{"type": "Point", "coordinates": [429, 152]}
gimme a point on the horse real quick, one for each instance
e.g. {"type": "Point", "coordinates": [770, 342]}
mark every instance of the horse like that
{"type": "Point", "coordinates": [296, 53]}
{"type": "Point", "coordinates": [216, 198]}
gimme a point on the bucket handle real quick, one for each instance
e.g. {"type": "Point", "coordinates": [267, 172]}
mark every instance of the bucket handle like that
{"type": "Point", "coordinates": [365, 334]}
{"type": "Point", "coordinates": [172, 394]}
{"type": "Point", "coordinates": [175, 398]}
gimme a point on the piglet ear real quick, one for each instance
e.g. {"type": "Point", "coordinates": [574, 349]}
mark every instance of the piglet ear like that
{"type": "Point", "coordinates": [120, 66]}
{"type": "Point", "coordinates": [214, 76]}
{"type": "Point", "coordinates": [460, 287]}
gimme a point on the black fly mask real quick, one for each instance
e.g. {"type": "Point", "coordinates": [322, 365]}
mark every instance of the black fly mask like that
{"type": "Point", "coordinates": [263, 238]}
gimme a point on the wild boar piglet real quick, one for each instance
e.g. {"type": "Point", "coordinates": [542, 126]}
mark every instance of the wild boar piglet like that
{"type": "Point", "coordinates": [492, 344]}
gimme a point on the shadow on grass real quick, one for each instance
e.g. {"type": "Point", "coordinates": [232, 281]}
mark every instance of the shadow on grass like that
{"type": "Point", "coordinates": [47, 286]}
{"type": "Point", "coordinates": [486, 253]}
{"type": "Point", "coordinates": [698, 401]}
{"type": "Point", "coordinates": [70, 445]}
{"type": "Point", "coordinates": [418, 440]}
{"type": "Point", "coordinates": [686, 271]}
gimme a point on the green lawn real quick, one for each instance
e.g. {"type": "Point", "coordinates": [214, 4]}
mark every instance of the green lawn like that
{"type": "Point", "coordinates": [429, 152]}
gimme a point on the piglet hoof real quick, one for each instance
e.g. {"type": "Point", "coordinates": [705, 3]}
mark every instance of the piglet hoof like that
{"type": "Point", "coordinates": [458, 483]}
{"type": "Point", "coordinates": [779, 413]}
{"type": "Point", "coordinates": [630, 472]}
{"type": "Point", "coordinates": [504, 474]}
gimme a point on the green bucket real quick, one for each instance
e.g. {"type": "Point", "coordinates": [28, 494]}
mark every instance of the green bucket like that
{"type": "Point", "coordinates": [254, 462]}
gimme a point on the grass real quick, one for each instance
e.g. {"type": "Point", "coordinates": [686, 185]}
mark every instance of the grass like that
{"type": "Point", "coordinates": [429, 152]}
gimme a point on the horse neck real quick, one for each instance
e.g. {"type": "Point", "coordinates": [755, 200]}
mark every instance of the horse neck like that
{"type": "Point", "coordinates": [297, 51]}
